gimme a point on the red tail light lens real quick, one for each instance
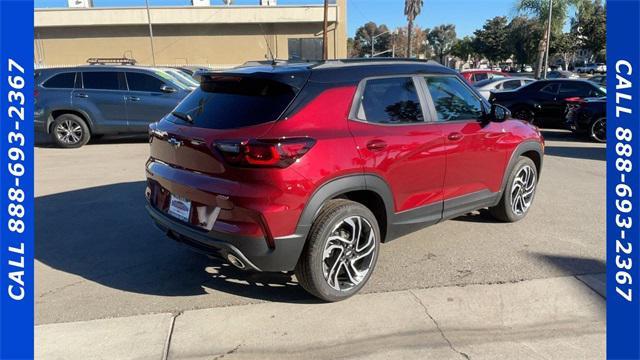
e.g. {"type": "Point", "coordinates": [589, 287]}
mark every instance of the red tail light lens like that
{"type": "Point", "coordinates": [264, 152]}
{"type": "Point", "coordinates": [35, 93]}
{"type": "Point", "coordinates": [574, 100]}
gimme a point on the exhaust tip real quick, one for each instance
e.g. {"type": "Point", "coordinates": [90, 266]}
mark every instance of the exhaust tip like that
{"type": "Point", "coordinates": [236, 262]}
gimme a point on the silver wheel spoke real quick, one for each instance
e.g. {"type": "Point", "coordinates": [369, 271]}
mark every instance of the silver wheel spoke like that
{"type": "Point", "coordinates": [349, 253]}
{"type": "Point", "coordinates": [522, 190]}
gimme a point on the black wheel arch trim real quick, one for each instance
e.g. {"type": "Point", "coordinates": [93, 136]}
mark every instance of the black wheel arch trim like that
{"type": "Point", "coordinates": [527, 146]}
{"type": "Point", "coordinates": [50, 118]}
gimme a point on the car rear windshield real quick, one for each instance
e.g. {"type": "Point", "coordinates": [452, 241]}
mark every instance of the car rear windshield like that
{"type": "Point", "coordinates": [228, 102]}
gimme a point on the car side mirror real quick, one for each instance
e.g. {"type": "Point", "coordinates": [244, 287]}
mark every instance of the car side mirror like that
{"type": "Point", "coordinates": [499, 113]}
{"type": "Point", "coordinates": [167, 89]}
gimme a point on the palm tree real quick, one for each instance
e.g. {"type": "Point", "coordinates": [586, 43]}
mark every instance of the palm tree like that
{"type": "Point", "coordinates": [539, 9]}
{"type": "Point", "coordinates": [412, 9]}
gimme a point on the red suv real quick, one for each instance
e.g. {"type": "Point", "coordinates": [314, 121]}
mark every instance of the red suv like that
{"type": "Point", "coordinates": [309, 167]}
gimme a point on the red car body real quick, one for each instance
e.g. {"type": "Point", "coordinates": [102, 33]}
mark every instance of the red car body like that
{"type": "Point", "coordinates": [408, 175]}
{"type": "Point", "coordinates": [476, 75]}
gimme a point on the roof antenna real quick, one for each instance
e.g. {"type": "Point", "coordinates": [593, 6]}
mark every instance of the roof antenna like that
{"type": "Point", "coordinates": [264, 34]}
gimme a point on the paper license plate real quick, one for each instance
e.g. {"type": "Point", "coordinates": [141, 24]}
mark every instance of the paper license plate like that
{"type": "Point", "coordinates": [180, 208]}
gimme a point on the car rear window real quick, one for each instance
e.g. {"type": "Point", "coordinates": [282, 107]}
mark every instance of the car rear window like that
{"type": "Point", "coordinates": [61, 81]}
{"type": "Point", "coordinates": [228, 102]}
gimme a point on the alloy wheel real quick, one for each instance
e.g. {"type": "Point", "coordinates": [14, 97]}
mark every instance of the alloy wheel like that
{"type": "Point", "coordinates": [349, 253]}
{"type": "Point", "coordinates": [599, 130]}
{"type": "Point", "coordinates": [69, 132]}
{"type": "Point", "coordinates": [522, 190]}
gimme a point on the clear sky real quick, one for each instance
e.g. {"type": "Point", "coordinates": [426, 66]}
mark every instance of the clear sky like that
{"type": "Point", "coordinates": [467, 15]}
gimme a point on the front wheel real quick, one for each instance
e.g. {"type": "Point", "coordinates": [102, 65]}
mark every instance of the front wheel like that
{"type": "Point", "coordinates": [598, 130]}
{"type": "Point", "coordinates": [519, 192]}
{"type": "Point", "coordinates": [70, 131]}
{"type": "Point", "coordinates": [341, 251]}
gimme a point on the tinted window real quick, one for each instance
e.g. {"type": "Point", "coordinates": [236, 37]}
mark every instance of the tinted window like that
{"type": "Point", "coordinates": [578, 89]}
{"type": "Point", "coordinates": [511, 84]}
{"type": "Point", "coordinates": [391, 101]}
{"type": "Point", "coordinates": [228, 102]}
{"type": "Point", "coordinates": [550, 89]}
{"type": "Point", "coordinates": [143, 82]}
{"type": "Point", "coordinates": [61, 81]}
{"type": "Point", "coordinates": [452, 99]}
{"type": "Point", "coordinates": [480, 76]}
{"type": "Point", "coordinates": [102, 80]}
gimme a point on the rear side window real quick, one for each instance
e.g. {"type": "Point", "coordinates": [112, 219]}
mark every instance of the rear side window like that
{"type": "Point", "coordinates": [390, 101]}
{"type": "Point", "coordinates": [511, 84]}
{"type": "Point", "coordinates": [143, 82]}
{"type": "Point", "coordinates": [480, 76]}
{"type": "Point", "coordinates": [229, 102]}
{"type": "Point", "coordinates": [61, 81]}
{"type": "Point", "coordinates": [578, 89]}
{"type": "Point", "coordinates": [452, 99]}
{"type": "Point", "coordinates": [101, 80]}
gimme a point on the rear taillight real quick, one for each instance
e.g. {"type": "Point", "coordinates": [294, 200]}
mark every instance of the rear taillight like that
{"type": "Point", "coordinates": [35, 93]}
{"type": "Point", "coordinates": [574, 100]}
{"type": "Point", "coordinates": [264, 152]}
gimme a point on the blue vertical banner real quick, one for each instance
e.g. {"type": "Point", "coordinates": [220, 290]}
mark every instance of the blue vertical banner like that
{"type": "Point", "coordinates": [16, 179]}
{"type": "Point", "coordinates": [623, 179]}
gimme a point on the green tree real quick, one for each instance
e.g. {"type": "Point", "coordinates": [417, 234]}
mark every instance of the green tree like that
{"type": "Point", "coordinates": [491, 40]}
{"type": "Point", "coordinates": [363, 37]}
{"type": "Point", "coordinates": [463, 48]}
{"type": "Point", "coordinates": [590, 27]}
{"type": "Point", "coordinates": [441, 39]}
{"type": "Point", "coordinates": [523, 38]}
{"type": "Point", "coordinates": [412, 9]}
{"type": "Point", "coordinates": [566, 46]}
{"type": "Point", "coordinates": [539, 10]}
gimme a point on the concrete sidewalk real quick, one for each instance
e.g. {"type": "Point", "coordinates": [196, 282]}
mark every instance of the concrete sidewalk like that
{"type": "Point", "coordinates": [554, 318]}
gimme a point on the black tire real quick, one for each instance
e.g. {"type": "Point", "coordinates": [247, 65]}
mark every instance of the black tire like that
{"type": "Point", "coordinates": [598, 130]}
{"type": "Point", "coordinates": [526, 115]}
{"type": "Point", "coordinates": [70, 131]}
{"type": "Point", "coordinates": [310, 268]}
{"type": "Point", "coordinates": [505, 211]}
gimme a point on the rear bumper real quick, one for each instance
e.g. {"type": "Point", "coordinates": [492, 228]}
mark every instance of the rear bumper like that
{"type": "Point", "coordinates": [252, 251]}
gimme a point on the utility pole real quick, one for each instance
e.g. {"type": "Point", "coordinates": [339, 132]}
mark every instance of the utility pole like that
{"type": "Point", "coordinates": [546, 57]}
{"type": "Point", "coordinates": [153, 53]}
{"type": "Point", "coordinates": [325, 27]}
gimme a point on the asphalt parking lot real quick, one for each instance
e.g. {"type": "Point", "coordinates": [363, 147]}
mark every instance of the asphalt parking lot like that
{"type": "Point", "coordinates": [99, 256]}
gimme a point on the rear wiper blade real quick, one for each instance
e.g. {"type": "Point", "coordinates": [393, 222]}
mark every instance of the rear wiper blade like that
{"type": "Point", "coordinates": [183, 116]}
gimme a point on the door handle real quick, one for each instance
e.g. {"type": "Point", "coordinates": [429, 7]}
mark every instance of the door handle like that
{"type": "Point", "coordinates": [376, 145]}
{"type": "Point", "coordinates": [82, 95]}
{"type": "Point", "coordinates": [133, 98]}
{"type": "Point", "coordinates": [455, 136]}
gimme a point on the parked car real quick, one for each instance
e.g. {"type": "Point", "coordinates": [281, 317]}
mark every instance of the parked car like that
{"type": "Point", "coordinates": [544, 102]}
{"type": "Point", "coordinates": [527, 68]}
{"type": "Point", "coordinates": [74, 104]}
{"type": "Point", "coordinates": [485, 87]}
{"type": "Point", "coordinates": [588, 117]}
{"type": "Point", "coordinates": [181, 77]}
{"type": "Point", "coordinates": [561, 74]}
{"type": "Point", "coordinates": [191, 69]}
{"type": "Point", "coordinates": [475, 75]}
{"type": "Point", "coordinates": [601, 80]}
{"type": "Point", "coordinates": [592, 68]}
{"type": "Point", "coordinates": [309, 167]}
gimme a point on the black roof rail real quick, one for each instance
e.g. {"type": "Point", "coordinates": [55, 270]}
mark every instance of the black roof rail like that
{"type": "Point", "coordinates": [111, 61]}
{"type": "Point", "coordinates": [373, 60]}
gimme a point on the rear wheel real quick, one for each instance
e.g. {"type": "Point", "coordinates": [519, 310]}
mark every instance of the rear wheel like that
{"type": "Point", "coordinates": [598, 130]}
{"type": "Point", "coordinates": [519, 192]}
{"type": "Point", "coordinates": [526, 115]}
{"type": "Point", "coordinates": [70, 131]}
{"type": "Point", "coordinates": [341, 251]}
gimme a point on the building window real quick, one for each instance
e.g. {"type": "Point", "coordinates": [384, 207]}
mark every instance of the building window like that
{"type": "Point", "coordinates": [305, 49]}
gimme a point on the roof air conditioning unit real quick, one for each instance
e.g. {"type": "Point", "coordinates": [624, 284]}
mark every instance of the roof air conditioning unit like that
{"type": "Point", "coordinates": [201, 2]}
{"type": "Point", "coordinates": [80, 3]}
{"type": "Point", "coordinates": [268, 3]}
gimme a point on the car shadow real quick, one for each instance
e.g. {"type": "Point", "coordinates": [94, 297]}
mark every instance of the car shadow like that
{"type": "Point", "coordinates": [42, 140]}
{"type": "Point", "coordinates": [478, 216]}
{"type": "Point", "coordinates": [104, 235]}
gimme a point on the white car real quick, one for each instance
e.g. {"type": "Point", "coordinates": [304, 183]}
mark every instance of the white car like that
{"type": "Point", "coordinates": [485, 87]}
{"type": "Point", "coordinates": [592, 68]}
{"type": "Point", "coordinates": [528, 68]}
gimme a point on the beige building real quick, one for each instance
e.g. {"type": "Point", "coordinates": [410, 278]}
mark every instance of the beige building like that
{"type": "Point", "coordinates": [217, 36]}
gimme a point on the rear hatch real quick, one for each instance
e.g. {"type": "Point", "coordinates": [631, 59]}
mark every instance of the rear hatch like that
{"type": "Point", "coordinates": [230, 106]}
